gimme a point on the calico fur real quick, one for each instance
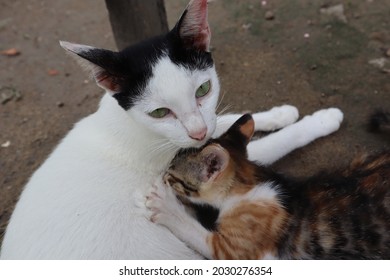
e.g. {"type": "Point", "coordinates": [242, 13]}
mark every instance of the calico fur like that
{"type": "Point", "coordinates": [343, 214]}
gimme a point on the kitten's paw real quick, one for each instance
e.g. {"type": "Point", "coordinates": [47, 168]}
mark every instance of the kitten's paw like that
{"type": "Point", "coordinates": [328, 120]}
{"type": "Point", "coordinates": [278, 117]}
{"type": "Point", "coordinates": [164, 207]}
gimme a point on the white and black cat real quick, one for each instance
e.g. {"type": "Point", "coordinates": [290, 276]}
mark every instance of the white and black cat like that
{"type": "Point", "coordinates": [86, 200]}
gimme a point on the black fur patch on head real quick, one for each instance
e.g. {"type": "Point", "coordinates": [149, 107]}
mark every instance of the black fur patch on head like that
{"type": "Point", "coordinates": [189, 58]}
{"type": "Point", "coordinates": [132, 67]}
{"type": "Point", "coordinates": [136, 68]}
{"type": "Point", "coordinates": [138, 60]}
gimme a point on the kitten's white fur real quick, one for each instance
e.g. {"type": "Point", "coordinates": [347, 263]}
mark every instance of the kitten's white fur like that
{"type": "Point", "coordinates": [83, 202]}
{"type": "Point", "coordinates": [166, 210]}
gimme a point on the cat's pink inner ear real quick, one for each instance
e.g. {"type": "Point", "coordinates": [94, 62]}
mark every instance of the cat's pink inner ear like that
{"type": "Point", "coordinates": [215, 160]}
{"type": "Point", "coordinates": [102, 77]}
{"type": "Point", "coordinates": [107, 82]}
{"type": "Point", "coordinates": [194, 28]}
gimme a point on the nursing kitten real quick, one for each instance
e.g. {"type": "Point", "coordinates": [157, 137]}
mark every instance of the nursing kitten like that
{"type": "Point", "coordinates": [161, 95]}
{"type": "Point", "coordinates": [262, 214]}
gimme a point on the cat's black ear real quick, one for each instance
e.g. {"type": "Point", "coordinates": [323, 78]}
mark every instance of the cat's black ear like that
{"type": "Point", "coordinates": [215, 160]}
{"type": "Point", "coordinates": [242, 130]}
{"type": "Point", "coordinates": [99, 62]}
{"type": "Point", "coordinates": [193, 28]}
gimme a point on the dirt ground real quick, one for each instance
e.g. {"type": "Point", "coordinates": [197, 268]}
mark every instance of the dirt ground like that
{"type": "Point", "coordinates": [267, 53]}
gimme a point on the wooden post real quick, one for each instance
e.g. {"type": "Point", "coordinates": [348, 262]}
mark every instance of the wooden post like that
{"type": "Point", "coordinates": [134, 20]}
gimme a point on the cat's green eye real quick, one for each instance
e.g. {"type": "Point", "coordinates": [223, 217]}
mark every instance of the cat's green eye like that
{"type": "Point", "coordinates": [203, 89]}
{"type": "Point", "coordinates": [160, 113]}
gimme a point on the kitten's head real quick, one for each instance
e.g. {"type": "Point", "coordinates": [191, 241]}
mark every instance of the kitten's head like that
{"type": "Point", "coordinates": [207, 174]}
{"type": "Point", "coordinates": [167, 83]}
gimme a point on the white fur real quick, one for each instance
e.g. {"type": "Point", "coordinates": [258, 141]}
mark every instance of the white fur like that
{"type": "Point", "coordinates": [263, 192]}
{"type": "Point", "coordinates": [81, 203]}
{"type": "Point", "coordinates": [276, 118]}
{"type": "Point", "coordinates": [84, 201]}
{"type": "Point", "coordinates": [174, 88]}
{"type": "Point", "coordinates": [269, 149]}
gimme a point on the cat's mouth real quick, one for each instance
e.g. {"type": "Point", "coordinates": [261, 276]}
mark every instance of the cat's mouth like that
{"type": "Point", "coordinates": [192, 143]}
{"type": "Point", "coordinates": [178, 185]}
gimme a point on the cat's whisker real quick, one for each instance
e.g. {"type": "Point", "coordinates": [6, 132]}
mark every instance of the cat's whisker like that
{"type": "Point", "coordinates": [155, 149]}
{"type": "Point", "coordinates": [162, 148]}
{"type": "Point", "coordinates": [158, 143]}
{"type": "Point", "coordinates": [171, 150]}
{"type": "Point", "coordinates": [220, 101]}
{"type": "Point", "coordinates": [159, 146]}
{"type": "Point", "coordinates": [224, 109]}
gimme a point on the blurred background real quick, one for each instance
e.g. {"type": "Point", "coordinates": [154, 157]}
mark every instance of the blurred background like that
{"type": "Point", "coordinates": [311, 54]}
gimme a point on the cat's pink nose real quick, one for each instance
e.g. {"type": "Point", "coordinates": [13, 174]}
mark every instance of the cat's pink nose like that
{"type": "Point", "coordinates": [198, 135]}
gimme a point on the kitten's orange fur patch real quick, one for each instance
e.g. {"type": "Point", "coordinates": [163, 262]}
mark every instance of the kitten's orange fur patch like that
{"type": "Point", "coordinates": [249, 231]}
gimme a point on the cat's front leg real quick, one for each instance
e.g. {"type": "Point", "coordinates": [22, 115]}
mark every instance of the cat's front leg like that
{"type": "Point", "coordinates": [269, 149]}
{"type": "Point", "coordinates": [276, 118]}
{"type": "Point", "coordinates": [165, 209]}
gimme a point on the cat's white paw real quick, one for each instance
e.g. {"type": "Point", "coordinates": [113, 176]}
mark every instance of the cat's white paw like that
{"type": "Point", "coordinates": [330, 113]}
{"type": "Point", "coordinates": [327, 121]}
{"type": "Point", "coordinates": [278, 117]}
{"type": "Point", "coordinates": [164, 207]}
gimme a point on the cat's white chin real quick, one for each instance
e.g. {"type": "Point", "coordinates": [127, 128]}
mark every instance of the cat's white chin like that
{"type": "Point", "coordinates": [190, 143]}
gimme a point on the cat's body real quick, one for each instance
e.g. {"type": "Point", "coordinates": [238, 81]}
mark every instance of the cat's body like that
{"type": "Point", "coordinates": [86, 200]}
{"type": "Point", "coordinates": [69, 211]}
{"type": "Point", "coordinates": [262, 214]}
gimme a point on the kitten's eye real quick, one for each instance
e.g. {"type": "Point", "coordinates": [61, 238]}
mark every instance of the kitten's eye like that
{"type": "Point", "coordinates": [160, 113]}
{"type": "Point", "coordinates": [203, 89]}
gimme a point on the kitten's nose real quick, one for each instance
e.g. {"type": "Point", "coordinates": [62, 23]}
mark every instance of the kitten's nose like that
{"type": "Point", "coordinates": [198, 135]}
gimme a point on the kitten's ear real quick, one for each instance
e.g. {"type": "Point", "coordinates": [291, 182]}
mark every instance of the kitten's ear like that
{"type": "Point", "coordinates": [193, 28]}
{"type": "Point", "coordinates": [215, 159]}
{"type": "Point", "coordinates": [99, 62]}
{"type": "Point", "coordinates": [242, 130]}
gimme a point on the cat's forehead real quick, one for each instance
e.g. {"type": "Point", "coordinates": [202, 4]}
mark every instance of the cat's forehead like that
{"type": "Point", "coordinates": [162, 66]}
{"type": "Point", "coordinates": [173, 80]}
{"type": "Point", "coordinates": [167, 74]}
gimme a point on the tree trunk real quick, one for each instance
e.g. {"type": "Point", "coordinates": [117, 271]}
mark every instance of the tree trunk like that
{"type": "Point", "coordinates": [134, 20]}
